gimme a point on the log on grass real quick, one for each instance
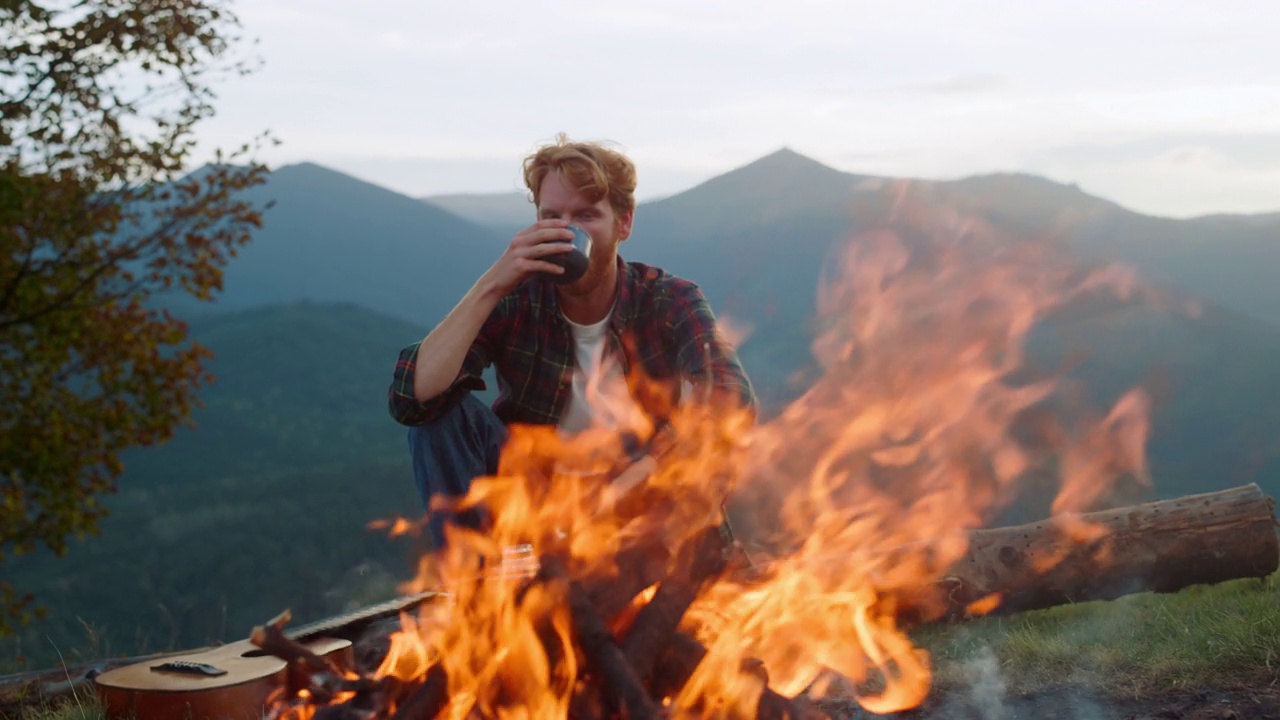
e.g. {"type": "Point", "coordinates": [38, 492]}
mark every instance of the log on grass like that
{"type": "Point", "coordinates": [1161, 546]}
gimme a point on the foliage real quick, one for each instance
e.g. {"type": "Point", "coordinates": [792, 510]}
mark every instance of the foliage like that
{"type": "Point", "coordinates": [98, 102]}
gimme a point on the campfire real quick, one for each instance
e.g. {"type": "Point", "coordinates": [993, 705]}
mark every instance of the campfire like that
{"type": "Point", "coordinates": [758, 567]}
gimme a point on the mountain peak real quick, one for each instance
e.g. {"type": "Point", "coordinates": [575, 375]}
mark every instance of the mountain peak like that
{"type": "Point", "coordinates": [785, 156]}
{"type": "Point", "coordinates": [782, 184]}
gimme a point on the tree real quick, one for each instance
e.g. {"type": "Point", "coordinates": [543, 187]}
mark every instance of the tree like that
{"type": "Point", "coordinates": [99, 222]}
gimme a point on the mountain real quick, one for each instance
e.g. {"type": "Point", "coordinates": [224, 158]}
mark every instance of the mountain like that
{"type": "Point", "coordinates": [757, 239]}
{"type": "Point", "coordinates": [781, 185]}
{"type": "Point", "coordinates": [1227, 259]}
{"type": "Point", "coordinates": [503, 213]}
{"type": "Point", "coordinates": [332, 238]}
{"type": "Point", "coordinates": [786, 198]}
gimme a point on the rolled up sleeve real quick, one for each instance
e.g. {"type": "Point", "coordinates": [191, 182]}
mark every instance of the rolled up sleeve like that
{"type": "Point", "coordinates": [406, 409]}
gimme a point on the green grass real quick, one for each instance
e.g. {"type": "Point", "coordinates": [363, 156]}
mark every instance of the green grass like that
{"type": "Point", "coordinates": [1222, 636]}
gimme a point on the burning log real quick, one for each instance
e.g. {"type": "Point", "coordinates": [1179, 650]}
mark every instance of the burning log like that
{"type": "Point", "coordinates": [618, 678]}
{"type": "Point", "coordinates": [681, 658]}
{"type": "Point", "coordinates": [426, 700]}
{"type": "Point", "coordinates": [702, 558]}
{"type": "Point", "coordinates": [1159, 546]}
{"type": "Point", "coordinates": [635, 568]}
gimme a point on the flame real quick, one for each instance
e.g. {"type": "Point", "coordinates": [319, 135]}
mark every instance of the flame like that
{"type": "Point", "coordinates": [914, 435]}
{"type": "Point", "coordinates": [395, 527]}
{"type": "Point", "coordinates": [925, 420]}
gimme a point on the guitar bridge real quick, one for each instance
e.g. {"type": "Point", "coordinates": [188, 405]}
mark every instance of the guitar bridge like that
{"type": "Point", "coordinates": [187, 667]}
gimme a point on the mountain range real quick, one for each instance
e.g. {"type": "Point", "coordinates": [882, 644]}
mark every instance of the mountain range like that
{"type": "Point", "coordinates": [1226, 259]}
{"type": "Point", "coordinates": [264, 502]}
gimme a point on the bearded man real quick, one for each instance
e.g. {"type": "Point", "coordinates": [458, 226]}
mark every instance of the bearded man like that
{"type": "Point", "coordinates": [552, 340]}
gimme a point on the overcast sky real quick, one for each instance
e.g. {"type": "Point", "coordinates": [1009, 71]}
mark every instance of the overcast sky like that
{"type": "Point", "coordinates": [1169, 107]}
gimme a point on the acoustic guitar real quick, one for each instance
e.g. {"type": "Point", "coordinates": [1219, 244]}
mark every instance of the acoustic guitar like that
{"type": "Point", "coordinates": [232, 681]}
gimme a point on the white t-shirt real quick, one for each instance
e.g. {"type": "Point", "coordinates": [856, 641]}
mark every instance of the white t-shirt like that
{"type": "Point", "coordinates": [599, 395]}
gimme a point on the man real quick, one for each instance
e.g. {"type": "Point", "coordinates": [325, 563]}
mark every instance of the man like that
{"type": "Point", "coordinates": [552, 343]}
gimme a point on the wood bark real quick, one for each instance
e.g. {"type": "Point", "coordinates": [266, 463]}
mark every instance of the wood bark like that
{"type": "Point", "coordinates": [1160, 546]}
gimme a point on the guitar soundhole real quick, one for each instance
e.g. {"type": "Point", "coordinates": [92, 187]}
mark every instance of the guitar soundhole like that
{"type": "Point", "coordinates": [255, 653]}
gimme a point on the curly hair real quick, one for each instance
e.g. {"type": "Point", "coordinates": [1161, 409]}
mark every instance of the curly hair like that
{"type": "Point", "coordinates": [596, 171]}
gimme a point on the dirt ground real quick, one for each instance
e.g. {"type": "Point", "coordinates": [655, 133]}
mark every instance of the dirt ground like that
{"type": "Point", "coordinates": [1081, 704]}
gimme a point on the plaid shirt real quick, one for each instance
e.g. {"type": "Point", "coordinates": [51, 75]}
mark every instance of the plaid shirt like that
{"type": "Point", "coordinates": [660, 324]}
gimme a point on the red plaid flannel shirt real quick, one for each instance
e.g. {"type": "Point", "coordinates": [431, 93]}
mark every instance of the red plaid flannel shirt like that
{"type": "Point", "coordinates": [661, 325]}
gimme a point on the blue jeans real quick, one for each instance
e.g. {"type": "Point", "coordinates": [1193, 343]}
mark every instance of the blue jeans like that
{"type": "Point", "coordinates": [450, 451]}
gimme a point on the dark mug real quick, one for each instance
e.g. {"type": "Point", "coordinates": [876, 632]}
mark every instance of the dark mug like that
{"type": "Point", "coordinates": [574, 261]}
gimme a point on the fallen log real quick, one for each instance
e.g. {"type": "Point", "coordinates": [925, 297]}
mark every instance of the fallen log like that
{"type": "Point", "coordinates": [1160, 546]}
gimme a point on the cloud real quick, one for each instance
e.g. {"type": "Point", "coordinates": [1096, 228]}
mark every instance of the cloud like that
{"type": "Point", "coordinates": [1246, 152]}
{"type": "Point", "coordinates": [1172, 174]}
{"type": "Point", "coordinates": [1074, 89]}
{"type": "Point", "coordinates": [963, 84]}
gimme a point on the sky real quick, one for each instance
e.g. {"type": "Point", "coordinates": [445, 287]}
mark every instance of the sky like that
{"type": "Point", "coordinates": [1169, 108]}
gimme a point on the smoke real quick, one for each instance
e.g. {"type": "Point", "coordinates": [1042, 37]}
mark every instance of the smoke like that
{"type": "Point", "coordinates": [987, 688]}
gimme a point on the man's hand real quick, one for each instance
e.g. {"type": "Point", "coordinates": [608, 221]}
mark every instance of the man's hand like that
{"type": "Point", "coordinates": [527, 254]}
{"type": "Point", "coordinates": [442, 352]}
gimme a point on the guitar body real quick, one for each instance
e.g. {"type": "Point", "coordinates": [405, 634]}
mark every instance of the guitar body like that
{"type": "Point", "coordinates": [229, 682]}
{"type": "Point", "coordinates": [233, 681]}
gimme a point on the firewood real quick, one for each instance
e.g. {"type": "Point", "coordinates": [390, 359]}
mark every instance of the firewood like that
{"type": "Point", "coordinates": [343, 711]}
{"type": "Point", "coordinates": [271, 638]}
{"type": "Point", "coordinates": [427, 700]}
{"type": "Point", "coordinates": [585, 703]}
{"type": "Point", "coordinates": [622, 687]}
{"type": "Point", "coordinates": [683, 655]}
{"type": "Point", "coordinates": [1161, 546]}
{"type": "Point", "coordinates": [635, 568]}
{"type": "Point", "coordinates": [701, 558]}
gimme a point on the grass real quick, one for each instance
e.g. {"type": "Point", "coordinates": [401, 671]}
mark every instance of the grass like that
{"type": "Point", "coordinates": [69, 709]}
{"type": "Point", "coordinates": [83, 704]}
{"type": "Point", "coordinates": [1223, 636]}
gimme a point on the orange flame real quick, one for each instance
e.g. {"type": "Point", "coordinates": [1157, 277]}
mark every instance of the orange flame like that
{"type": "Point", "coordinates": [858, 496]}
